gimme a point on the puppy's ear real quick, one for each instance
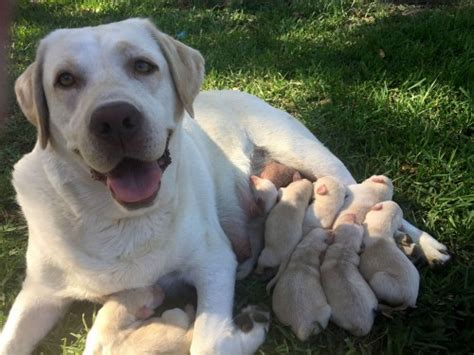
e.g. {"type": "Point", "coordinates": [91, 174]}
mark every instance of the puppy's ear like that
{"type": "Point", "coordinates": [255, 181]}
{"type": "Point", "coordinates": [322, 190]}
{"type": "Point", "coordinates": [377, 207]}
{"type": "Point", "coordinates": [32, 100]}
{"type": "Point", "coordinates": [297, 176]}
{"type": "Point", "coordinates": [186, 66]}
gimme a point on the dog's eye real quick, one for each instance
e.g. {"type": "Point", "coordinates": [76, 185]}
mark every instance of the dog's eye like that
{"type": "Point", "coordinates": [66, 80]}
{"type": "Point", "coordinates": [143, 67]}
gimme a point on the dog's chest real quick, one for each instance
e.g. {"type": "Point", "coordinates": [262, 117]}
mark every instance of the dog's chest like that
{"type": "Point", "coordinates": [127, 253]}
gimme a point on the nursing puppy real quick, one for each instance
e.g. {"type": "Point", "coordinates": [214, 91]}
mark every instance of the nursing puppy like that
{"type": "Point", "coordinates": [265, 195]}
{"type": "Point", "coordinates": [328, 195]}
{"type": "Point", "coordinates": [298, 298]}
{"type": "Point", "coordinates": [281, 175]}
{"type": "Point", "coordinates": [361, 197]}
{"type": "Point", "coordinates": [352, 302]}
{"type": "Point", "coordinates": [283, 228]}
{"type": "Point", "coordinates": [392, 276]}
{"type": "Point", "coordinates": [122, 327]}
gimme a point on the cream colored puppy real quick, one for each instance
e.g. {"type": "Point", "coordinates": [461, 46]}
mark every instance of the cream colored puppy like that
{"type": "Point", "coordinates": [298, 298]}
{"type": "Point", "coordinates": [352, 301]}
{"type": "Point", "coordinates": [329, 194]}
{"type": "Point", "coordinates": [283, 228]}
{"type": "Point", "coordinates": [361, 197]}
{"type": "Point", "coordinates": [265, 195]}
{"type": "Point", "coordinates": [121, 326]}
{"type": "Point", "coordinates": [392, 276]}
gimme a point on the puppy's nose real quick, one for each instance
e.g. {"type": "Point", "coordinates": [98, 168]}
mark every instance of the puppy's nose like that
{"type": "Point", "coordinates": [115, 122]}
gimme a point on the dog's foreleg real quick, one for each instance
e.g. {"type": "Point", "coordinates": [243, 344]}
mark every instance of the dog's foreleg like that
{"type": "Point", "coordinates": [214, 328]}
{"type": "Point", "coordinates": [35, 311]}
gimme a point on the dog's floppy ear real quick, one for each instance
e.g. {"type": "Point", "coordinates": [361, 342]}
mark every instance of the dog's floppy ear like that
{"type": "Point", "coordinates": [186, 65]}
{"type": "Point", "coordinates": [32, 100]}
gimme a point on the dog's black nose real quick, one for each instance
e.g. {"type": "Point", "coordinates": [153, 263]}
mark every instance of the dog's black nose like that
{"type": "Point", "coordinates": [116, 122]}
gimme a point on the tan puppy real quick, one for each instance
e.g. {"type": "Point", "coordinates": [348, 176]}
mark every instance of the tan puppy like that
{"type": "Point", "coordinates": [298, 298]}
{"type": "Point", "coordinates": [361, 197]}
{"type": "Point", "coordinates": [352, 301]}
{"type": "Point", "coordinates": [120, 326]}
{"type": "Point", "coordinates": [281, 175]}
{"type": "Point", "coordinates": [283, 228]}
{"type": "Point", "coordinates": [265, 195]}
{"type": "Point", "coordinates": [392, 276]}
{"type": "Point", "coordinates": [329, 194]}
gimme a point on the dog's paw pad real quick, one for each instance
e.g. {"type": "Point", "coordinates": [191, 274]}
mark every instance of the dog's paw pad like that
{"type": "Point", "coordinates": [244, 322]}
{"type": "Point", "coordinates": [251, 315]}
{"type": "Point", "coordinates": [440, 258]}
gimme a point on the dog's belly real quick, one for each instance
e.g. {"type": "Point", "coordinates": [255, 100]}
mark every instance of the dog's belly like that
{"type": "Point", "coordinates": [235, 157]}
{"type": "Point", "coordinates": [231, 166]}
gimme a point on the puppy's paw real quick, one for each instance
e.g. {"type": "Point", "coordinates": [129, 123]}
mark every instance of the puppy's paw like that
{"type": "Point", "coordinates": [253, 316]}
{"type": "Point", "coordinates": [435, 252]}
{"type": "Point", "coordinates": [245, 269]}
{"type": "Point", "coordinates": [177, 317]}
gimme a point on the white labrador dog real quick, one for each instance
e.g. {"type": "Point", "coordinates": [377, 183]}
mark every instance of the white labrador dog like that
{"type": "Point", "coordinates": [123, 186]}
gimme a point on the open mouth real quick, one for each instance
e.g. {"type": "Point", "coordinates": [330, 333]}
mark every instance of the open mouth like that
{"type": "Point", "coordinates": [135, 183]}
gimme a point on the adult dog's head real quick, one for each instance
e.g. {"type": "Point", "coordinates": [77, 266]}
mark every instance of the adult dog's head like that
{"type": "Point", "coordinates": [112, 95]}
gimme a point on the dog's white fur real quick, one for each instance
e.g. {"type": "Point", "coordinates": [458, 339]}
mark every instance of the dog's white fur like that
{"type": "Point", "coordinates": [328, 193]}
{"type": "Point", "coordinates": [283, 227]}
{"type": "Point", "coordinates": [121, 326]}
{"type": "Point", "coordinates": [352, 302]}
{"type": "Point", "coordinates": [390, 274]}
{"type": "Point", "coordinates": [82, 244]}
{"type": "Point", "coordinates": [298, 298]}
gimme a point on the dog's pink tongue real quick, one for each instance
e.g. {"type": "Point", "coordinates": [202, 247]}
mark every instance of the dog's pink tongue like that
{"type": "Point", "coordinates": [134, 180]}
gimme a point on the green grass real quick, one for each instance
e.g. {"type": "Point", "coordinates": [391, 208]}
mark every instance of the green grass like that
{"type": "Point", "coordinates": [388, 88]}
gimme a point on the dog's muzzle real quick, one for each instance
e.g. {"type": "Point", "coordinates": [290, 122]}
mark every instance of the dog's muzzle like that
{"type": "Point", "coordinates": [135, 183]}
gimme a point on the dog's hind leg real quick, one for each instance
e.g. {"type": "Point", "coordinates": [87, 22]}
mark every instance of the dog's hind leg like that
{"type": "Point", "coordinates": [288, 141]}
{"type": "Point", "coordinates": [433, 251]}
{"type": "Point", "coordinates": [292, 144]}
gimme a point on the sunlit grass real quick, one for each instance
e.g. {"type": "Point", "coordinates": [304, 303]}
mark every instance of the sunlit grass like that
{"type": "Point", "coordinates": [389, 89]}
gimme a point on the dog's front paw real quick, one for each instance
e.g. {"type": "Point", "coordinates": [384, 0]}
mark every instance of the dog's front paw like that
{"type": "Point", "coordinates": [434, 251]}
{"type": "Point", "coordinates": [251, 329]}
